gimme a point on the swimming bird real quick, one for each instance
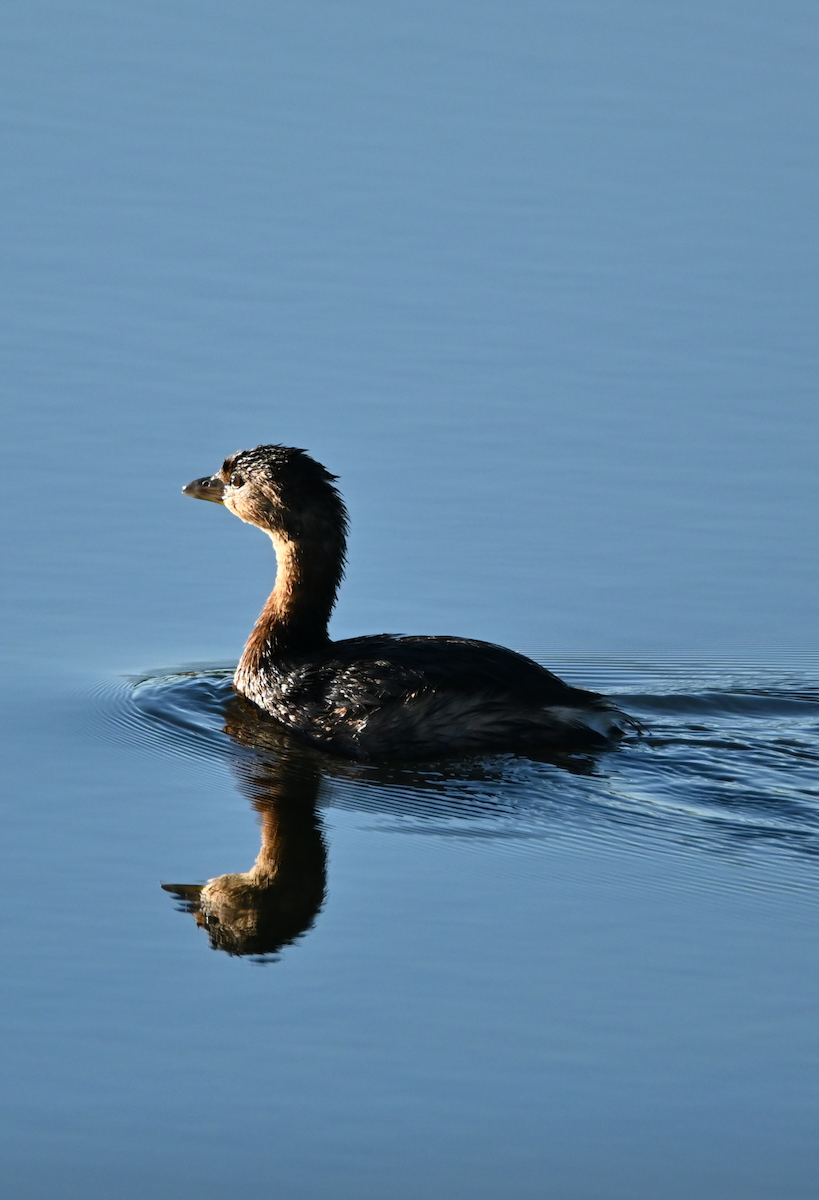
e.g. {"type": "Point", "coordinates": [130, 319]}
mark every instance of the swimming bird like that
{"type": "Point", "coordinates": [382, 696]}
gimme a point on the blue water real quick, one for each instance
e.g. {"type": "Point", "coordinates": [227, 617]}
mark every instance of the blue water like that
{"type": "Point", "coordinates": [536, 280]}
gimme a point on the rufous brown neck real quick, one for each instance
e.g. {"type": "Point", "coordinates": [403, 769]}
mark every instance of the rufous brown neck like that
{"type": "Point", "coordinates": [294, 620]}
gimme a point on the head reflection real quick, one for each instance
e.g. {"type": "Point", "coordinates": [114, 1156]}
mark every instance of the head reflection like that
{"type": "Point", "coordinates": [260, 911]}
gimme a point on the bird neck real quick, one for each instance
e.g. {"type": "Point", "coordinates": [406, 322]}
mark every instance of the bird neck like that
{"type": "Point", "coordinates": [294, 620]}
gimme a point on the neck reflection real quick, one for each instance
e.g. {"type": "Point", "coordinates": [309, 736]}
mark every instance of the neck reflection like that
{"type": "Point", "coordinates": [260, 911]}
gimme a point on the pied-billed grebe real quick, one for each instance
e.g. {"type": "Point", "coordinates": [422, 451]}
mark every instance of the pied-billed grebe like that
{"type": "Point", "coordinates": [369, 697]}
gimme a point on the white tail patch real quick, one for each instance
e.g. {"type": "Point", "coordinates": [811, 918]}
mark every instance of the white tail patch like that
{"type": "Point", "coordinates": [608, 722]}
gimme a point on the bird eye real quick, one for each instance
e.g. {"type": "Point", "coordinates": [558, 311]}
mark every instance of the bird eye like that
{"type": "Point", "coordinates": [236, 480]}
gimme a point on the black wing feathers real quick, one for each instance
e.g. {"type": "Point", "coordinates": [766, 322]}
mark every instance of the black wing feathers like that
{"type": "Point", "coordinates": [360, 672]}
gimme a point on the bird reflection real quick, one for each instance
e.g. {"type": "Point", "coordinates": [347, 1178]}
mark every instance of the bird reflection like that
{"type": "Point", "coordinates": [258, 912]}
{"type": "Point", "coordinates": [694, 783]}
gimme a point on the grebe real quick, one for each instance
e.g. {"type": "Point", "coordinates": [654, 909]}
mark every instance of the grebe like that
{"type": "Point", "coordinates": [381, 696]}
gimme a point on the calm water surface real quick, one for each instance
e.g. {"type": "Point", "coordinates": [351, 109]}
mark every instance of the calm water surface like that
{"type": "Point", "coordinates": [536, 281]}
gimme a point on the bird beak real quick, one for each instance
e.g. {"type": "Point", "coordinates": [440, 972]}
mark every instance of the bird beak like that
{"type": "Point", "coordinates": [188, 893]}
{"type": "Point", "coordinates": [210, 487]}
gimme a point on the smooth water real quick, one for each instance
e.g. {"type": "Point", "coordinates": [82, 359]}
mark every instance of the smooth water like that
{"type": "Point", "coordinates": [536, 281]}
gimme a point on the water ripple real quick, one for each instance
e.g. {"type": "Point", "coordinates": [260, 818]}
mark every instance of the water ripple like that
{"type": "Point", "coordinates": [728, 763]}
